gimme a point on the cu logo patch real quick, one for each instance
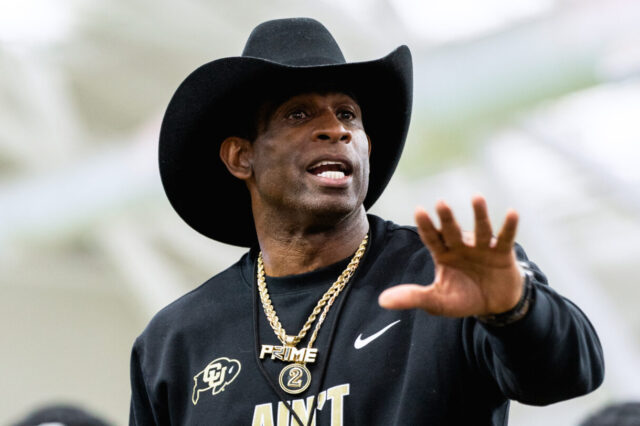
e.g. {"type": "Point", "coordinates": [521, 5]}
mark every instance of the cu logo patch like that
{"type": "Point", "coordinates": [218, 374]}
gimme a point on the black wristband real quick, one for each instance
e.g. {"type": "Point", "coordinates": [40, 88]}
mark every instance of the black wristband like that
{"type": "Point", "coordinates": [517, 312]}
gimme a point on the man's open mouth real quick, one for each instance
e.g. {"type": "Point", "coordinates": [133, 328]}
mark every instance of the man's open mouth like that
{"type": "Point", "coordinates": [330, 169]}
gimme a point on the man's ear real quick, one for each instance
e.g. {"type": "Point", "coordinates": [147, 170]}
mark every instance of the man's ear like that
{"type": "Point", "coordinates": [369, 140]}
{"type": "Point", "coordinates": [235, 153]}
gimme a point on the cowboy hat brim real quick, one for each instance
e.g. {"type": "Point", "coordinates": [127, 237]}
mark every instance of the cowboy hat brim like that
{"type": "Point", "coordinates": [211, 102]}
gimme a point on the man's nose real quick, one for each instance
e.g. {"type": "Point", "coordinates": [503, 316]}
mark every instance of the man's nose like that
{"type": "Point", "coordinates": [331, 129]}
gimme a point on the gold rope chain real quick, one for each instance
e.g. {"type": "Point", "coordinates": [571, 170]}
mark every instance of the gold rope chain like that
{"type": "Point", "coordinates": [327, 299]}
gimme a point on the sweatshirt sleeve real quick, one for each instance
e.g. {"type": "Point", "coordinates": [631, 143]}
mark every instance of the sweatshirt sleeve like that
{"type": "Point", "coordinates": [550, 355]}
{"type": "Point", "coordinates": [141, 411]}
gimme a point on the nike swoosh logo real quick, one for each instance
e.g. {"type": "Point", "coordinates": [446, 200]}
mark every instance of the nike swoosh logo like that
{"type": "Point", "coordinates": [361, 343]}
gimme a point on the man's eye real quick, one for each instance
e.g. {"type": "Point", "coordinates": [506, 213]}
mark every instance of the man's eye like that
{"type": "Point", "coordinates": [346, 115]}
{"type": "Point", "coordinates": [297, 115]}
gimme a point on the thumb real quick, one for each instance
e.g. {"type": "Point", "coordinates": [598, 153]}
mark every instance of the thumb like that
{"type": "Point", "coordinates": [411, 296]}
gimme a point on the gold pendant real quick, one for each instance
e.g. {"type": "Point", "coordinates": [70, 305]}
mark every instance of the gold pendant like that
{"type": "Point", "coordinates": [289, 353]}
{"type": "Point", "coordinates": [295, 378]}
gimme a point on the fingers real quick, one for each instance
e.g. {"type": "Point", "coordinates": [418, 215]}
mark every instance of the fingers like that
{"type": "Point", "coordinates": [483, 232]}
{"type": "Point", "coordinates": [507, 235]}
{"type": "Point", "coordinates": [450, 229]}
{"type": "Point", "coordinates": [411, 296]}
{"type": "Point", "coordinates": [429, 235]}
{"type": "Point", "coordinates": [450, 235]}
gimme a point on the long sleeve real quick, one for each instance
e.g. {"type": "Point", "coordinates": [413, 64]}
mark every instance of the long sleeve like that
{"type": "Point", "coordinates": [550, 355]}
{"type": "Point", "coordinates": [141, 411]}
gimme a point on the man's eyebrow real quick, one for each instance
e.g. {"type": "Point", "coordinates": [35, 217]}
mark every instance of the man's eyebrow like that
{"type": "Point", "coordinates": [292, 104]}
{"type": "Point", "coordinates": [350, 101]}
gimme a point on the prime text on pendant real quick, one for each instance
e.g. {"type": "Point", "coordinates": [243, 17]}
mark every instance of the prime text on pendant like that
{"type": "Point", "coordinates": [289, 353]}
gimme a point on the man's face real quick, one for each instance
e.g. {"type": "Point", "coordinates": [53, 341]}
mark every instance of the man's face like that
{"type": "Point", "coordinates": [311, 156]}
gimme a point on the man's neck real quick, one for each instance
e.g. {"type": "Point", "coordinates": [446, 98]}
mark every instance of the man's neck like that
{"type": "Point", "coordinates": [289, 249]}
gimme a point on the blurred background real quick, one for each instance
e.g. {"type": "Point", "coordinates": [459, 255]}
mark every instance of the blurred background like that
{"type": "Point", "coordinates": [534, 103]}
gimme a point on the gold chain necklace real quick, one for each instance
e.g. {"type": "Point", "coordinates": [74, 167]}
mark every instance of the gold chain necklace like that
{"type": "Point", "coordinates": [298, 376]}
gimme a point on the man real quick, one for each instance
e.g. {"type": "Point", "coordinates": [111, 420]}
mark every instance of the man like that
{"type": "Point", "coordinates": [282, 150]}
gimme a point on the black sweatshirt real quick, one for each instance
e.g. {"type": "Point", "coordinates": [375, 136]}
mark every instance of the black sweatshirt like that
{"type": "Point", "coordinates": [197, 362]}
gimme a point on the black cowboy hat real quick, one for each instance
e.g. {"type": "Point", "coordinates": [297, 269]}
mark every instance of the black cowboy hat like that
{"type": "Point", "coordinates": [281, 58]}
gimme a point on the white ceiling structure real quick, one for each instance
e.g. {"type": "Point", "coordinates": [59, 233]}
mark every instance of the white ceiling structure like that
{"type": "Point", "coordinates": [533, 103]}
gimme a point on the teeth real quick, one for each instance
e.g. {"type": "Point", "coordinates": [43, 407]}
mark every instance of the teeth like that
{"type": "Point", "coordinates": [332, 175]}
{"type": "Point", "coordinates": [325, 163]}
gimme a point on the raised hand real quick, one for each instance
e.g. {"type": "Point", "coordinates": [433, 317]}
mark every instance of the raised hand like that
{"type": "Point", "coordinates": [476, 274]}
